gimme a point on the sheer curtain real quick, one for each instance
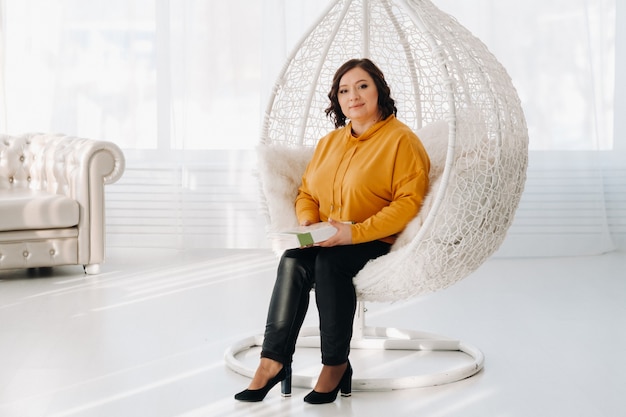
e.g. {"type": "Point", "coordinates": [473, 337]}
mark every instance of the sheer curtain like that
{"type": "Point", "coordinates": [175, 83]}
{"type": "Point", "coordinates": [561, 56]}
{"type": "Point", "coordinates": [181, 86]}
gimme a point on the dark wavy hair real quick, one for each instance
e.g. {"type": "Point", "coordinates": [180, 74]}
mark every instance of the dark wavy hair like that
{"type": "Point", "coordinates": [386, 104]}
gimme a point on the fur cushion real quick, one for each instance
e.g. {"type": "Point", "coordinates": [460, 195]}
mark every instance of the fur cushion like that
{"type": "Point", "coordinates": [280, 172]}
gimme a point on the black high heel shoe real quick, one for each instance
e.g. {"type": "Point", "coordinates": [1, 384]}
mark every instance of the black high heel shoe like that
{"type": "Point", "coordinates": [254, 395]}
{"type": "Point", "coordinates": [345, 385]}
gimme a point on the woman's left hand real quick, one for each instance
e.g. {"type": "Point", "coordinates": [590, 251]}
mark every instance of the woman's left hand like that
{"type": "Point", "coordinates": [342, 237]}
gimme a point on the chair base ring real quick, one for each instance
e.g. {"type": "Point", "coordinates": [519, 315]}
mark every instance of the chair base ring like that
{"type": "Point", "coordinates": [380, 338]}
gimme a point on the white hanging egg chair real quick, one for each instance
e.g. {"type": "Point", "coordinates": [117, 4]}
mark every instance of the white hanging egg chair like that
{"type": "Point", "coordinates": [461, 103]}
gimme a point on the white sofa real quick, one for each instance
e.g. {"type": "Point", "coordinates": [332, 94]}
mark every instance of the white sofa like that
{"type": "Point", "coordinates": [52, 200]}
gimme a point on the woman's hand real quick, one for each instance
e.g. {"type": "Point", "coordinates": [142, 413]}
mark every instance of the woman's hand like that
{"type": "Point", "coordinates": [342, 237]}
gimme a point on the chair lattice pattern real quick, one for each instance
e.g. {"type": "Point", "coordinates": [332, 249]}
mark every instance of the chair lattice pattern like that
{"type": "Point", "coordinates": [437, 71]}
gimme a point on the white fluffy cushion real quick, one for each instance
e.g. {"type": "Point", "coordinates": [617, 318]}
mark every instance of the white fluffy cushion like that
{"type": "Point", "coordinates": [280, 171]}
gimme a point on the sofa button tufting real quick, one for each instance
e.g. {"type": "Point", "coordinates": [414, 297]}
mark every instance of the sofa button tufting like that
{"type": "Point", "coordinates": [11, 179]}
{"type": "Point", "coordinates": [52, 252]}
{"type": "Point", "coordinates": [22, 158]}
{"type": "Point", "coordinates": [25, 254]}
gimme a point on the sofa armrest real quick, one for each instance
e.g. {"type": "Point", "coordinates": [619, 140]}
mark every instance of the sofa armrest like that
{"type": "Point", "coordinates": [76, 167]}
{"type": "Point", "coordinates": [62, 163]}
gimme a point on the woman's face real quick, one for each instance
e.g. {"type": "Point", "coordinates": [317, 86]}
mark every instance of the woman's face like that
{"type": "Point", "coordinates": [358, 96]}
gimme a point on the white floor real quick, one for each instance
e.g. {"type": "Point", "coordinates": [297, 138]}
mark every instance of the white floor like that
{"type": "Point", "coordinates": [146, 337]}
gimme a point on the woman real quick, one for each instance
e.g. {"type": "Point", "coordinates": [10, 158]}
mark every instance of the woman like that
{"type": "Point", "coordinates": [368, 179]}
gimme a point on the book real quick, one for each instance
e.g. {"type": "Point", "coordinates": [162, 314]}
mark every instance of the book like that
{"type": "Point", "coordinates": [302, 236]}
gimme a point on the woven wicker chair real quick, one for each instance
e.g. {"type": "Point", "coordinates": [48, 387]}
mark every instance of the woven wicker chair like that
{"type": "Point", "coordinates": [462, 104]}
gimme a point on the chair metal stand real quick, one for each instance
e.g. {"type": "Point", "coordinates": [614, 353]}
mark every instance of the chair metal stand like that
{"type": "Point", "coordinates": [375, 338]}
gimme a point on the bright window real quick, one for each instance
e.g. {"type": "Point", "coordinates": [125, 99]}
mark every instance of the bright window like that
{"type": "Point", "coordinates": [561, 57]}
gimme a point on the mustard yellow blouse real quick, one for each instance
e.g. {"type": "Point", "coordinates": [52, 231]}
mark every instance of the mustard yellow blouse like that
{"type": "Point", "coordinates": [377, 180]}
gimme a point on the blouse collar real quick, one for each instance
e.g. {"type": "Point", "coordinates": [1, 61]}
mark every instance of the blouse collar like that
{"type": "Point", "coordinates": [372, 129]}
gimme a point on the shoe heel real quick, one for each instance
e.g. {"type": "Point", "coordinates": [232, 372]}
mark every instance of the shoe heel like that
{"type": "Point", "coordinates": [346, 383]}
{"type": "Point", "coordinates": [285, 384]}
{"type": "Point", "coordinates": [346, 389]}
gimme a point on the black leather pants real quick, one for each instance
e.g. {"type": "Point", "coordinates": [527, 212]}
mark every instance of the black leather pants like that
{"type": "Point", "coordinates": [330, 271]}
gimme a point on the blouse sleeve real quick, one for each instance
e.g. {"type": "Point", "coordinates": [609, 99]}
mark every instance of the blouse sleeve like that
{"type": "Point", "coordinates": [409, 186]}
{"type": "Point", "coordinates": [307, 207]}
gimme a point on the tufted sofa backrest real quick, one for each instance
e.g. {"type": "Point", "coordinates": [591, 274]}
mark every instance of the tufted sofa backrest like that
{"type": "Point", "coordinates": [15, 160]}
{"type": "Point", "coordinates": [38, 162]}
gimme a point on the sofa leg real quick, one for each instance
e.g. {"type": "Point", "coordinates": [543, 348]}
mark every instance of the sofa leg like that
{"type": "Point", "coordinates": [92, 269]}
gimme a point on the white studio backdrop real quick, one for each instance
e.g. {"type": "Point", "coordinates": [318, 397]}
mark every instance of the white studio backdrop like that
{"type": "Point", "coordinates": [181, 86]}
